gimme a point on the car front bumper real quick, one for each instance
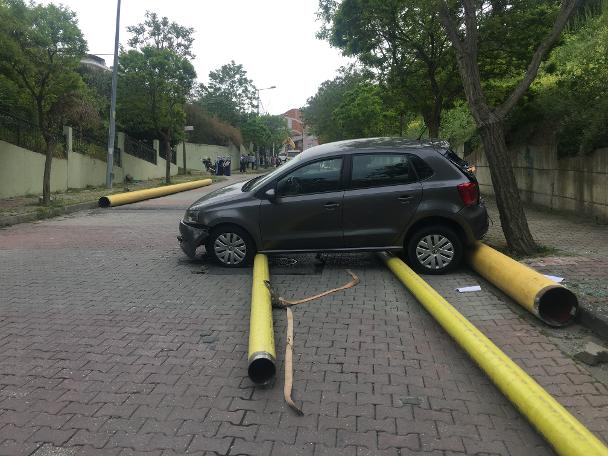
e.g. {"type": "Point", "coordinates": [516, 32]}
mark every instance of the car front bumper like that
{"type": "Point", "coordinates": [191, 237]}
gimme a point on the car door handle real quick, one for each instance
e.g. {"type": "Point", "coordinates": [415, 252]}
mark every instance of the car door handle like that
{"type": "Point", "coordinates": [405, 198]}
{"type": "Point", "coordinates": [331, 206]}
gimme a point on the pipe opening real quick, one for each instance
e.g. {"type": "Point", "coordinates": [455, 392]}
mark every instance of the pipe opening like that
{"type": "Point", "coordinates": [261, 370]}
{"type": "Point", "coordinates": [557, 306]}
{"type": "Point", "coordinates": [104, 201]}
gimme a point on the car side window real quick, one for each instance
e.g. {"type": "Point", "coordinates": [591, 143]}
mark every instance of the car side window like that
{"type": "Point", "coordinates": [422, 168]}
{"type": "Point", "coordinates": [376, 170]}
{"type": "Point", "coordinates": [318, 177]}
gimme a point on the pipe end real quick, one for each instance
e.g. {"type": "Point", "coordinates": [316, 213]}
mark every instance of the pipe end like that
{"type": "Point", "coordinates": [104, 201]}
{"type": "Point", "coordinates": [557, 306]}
{"type": "Point", "coordinates": [262, 368]}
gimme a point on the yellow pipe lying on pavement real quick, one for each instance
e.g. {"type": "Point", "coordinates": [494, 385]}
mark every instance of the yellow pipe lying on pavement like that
{"type": "Point", "coordinates": [563, 431]}
{"type": "Point", "coordinates": [119, 199]}
{"type": "Point", "coordinates": [261, 355]}
{"type": "Point", "coordinates": [552, 303]}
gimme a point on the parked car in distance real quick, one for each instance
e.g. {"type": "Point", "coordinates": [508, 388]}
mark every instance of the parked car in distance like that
{"type": "Point", "coordinates": [348, 196]}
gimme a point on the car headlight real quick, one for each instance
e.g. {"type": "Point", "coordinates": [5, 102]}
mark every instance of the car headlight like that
{"type": "Point", "coordinates": [191, 216]}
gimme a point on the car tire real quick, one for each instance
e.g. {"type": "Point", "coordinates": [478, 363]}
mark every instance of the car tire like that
{"type": "Point", "coordinates": [434, 249]}
{"type": "Point", "coordinates": [230, 246]}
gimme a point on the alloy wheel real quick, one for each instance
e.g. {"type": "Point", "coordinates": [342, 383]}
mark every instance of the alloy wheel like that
{"type": "Point", "coordinates": [434, 251]}
{"type": "Point", "coordinates": [230, 248]}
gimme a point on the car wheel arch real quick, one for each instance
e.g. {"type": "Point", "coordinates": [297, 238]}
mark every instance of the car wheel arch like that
{"type": "Point", "coordinates": [434, 221]}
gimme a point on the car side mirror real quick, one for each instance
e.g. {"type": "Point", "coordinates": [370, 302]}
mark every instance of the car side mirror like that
{"type": "Point", "coordinates": [270, 195]}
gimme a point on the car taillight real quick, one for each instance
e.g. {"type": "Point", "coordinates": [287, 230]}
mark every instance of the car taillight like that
{"type": "Point", "coordinates": [469, 193]}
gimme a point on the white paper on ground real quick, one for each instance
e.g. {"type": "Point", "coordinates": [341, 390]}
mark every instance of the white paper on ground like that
{"type": "Point", "coordinates": [467, 289]}
{"type": "Point", "coordinates": [554, 278]}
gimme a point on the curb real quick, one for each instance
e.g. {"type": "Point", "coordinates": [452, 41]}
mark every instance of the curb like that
{"type": "Point", "coordinates": [591, 320]}
{"type": "Point", "coordinates": [46, 213]}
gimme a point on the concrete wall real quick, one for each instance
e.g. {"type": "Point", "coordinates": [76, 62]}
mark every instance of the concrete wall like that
{"type": "Point", "coordinates": [196, 152]}
{"type": "Point", "coordinates": [21, 172]}
{"type": "Point", "coordinates": [140, 169]}
{"type": "Point", "coordinates": [577, 184]}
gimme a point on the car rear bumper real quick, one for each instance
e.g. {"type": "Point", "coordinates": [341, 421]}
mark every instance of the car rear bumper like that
{"type": "Point", "coordinates": [191, 237]}
{"type": "Point", "coordinates": [476, 222]}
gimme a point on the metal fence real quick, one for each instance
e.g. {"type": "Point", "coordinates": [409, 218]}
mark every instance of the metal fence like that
{"type": "Point", "coordinates": [25, 134]}
{"type": "Point", "coordinates": [89, 145]}
{"type": "Point", "coordinates": [140, 149]}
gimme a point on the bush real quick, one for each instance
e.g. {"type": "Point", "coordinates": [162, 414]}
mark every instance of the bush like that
{"type": "Point", "coordinates": [209, 129]}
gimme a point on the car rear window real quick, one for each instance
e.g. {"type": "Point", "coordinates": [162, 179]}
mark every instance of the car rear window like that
{"type": "Point", "coordinates": [461, 164]}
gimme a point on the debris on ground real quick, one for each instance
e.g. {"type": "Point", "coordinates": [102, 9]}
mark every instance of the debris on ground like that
{"type": "Point", "coordinates": [468, 289]}
{"type": "Point", "coordinates": [593, 354]}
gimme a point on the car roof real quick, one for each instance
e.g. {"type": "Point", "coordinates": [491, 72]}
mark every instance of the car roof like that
{"type": "Point", "coordinates": [383, 144]}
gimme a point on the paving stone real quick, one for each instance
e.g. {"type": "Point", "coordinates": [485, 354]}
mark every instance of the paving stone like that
{"type": "Point", "coordinates": [106, 333]}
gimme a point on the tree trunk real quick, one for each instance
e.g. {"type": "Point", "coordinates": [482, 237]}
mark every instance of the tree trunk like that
{"type": "Point", "coordinates": [168, 155]}
{"type": "Point", "coordinates": [432, 121]}
{"type": "Point", "coordinates": [401, 123]}
{"type": "Point", "coordinates": [512, 217]}
{"type": "Point", "coordinates": [46, 179]}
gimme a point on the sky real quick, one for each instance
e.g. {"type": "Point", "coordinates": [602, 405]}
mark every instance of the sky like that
{"type": "Point", "coordinates": [273, 39]}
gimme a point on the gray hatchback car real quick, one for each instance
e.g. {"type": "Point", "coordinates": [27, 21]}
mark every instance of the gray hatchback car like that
{"type": "Point", "coordinates": [348, 196]}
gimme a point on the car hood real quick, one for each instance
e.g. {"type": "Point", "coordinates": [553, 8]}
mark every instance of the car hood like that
{"type": "Point", "coordinates": [221, 196]}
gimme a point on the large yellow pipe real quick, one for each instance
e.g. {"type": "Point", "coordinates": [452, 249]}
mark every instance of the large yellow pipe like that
{"type": "Point", "coordinates": [563, 431]}
{"type": "Point", "coordinates": [119, 199]}
{"type": "Point", "coordinates": [262, 355]}
{"type": "Point", "coordinates": [552, 303]}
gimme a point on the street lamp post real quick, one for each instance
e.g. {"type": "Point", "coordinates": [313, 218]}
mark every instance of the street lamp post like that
{"type": "Point", "coordinates": [112, 130]}
{"type": "Point", "coordinates": [258, 91]}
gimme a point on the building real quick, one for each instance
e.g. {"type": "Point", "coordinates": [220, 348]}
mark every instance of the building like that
{"type": "Point", "coordinates": [296, 125]}
{"type": "Point", "coordinates": [94, 61]}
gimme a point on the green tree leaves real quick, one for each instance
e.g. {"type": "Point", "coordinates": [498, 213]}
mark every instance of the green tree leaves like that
{"type": "Point", "coordinates": [40, 48]}
{"type": "Point", "coordinates": [230, 94]}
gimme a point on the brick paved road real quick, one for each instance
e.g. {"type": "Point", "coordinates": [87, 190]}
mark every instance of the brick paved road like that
{"type": "Point", "coordinates": [111, 345]}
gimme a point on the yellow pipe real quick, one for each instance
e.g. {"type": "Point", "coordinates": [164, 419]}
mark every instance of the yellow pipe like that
{"type": "Point", "coordinates": [262, 355]}
{"type": "Point", "coordinates": [552, 303]}
{"type": "Point", "coordinates": [119, 199]}
{"type": "Point", "coordinates": [563, 431]}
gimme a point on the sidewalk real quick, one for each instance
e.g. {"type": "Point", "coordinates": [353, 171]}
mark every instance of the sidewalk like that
{"type": "Point", "coordinates": [20, 209]}
{"type": "Point", "coordinates": [580, 256]}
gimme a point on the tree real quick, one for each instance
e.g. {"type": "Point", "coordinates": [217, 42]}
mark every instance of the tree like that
{"type": "Point", "coordinates": [40, 48]}
{"type": "Point", "coordinates": [162, 34]}
{"type": "Point", "coordinates": [230, 94]}
{"type": "Point", "coordinates": [153, 91]}
{"type": "Point", "coordinates": [404, 43]}
{"type": "Point", "coordinates": [157, 79]}
{"type": "Point", "coordinates": [361, 114]}
{"type": "Point", "coordinates": [319, 110]}
{"type": "Point", "coordinates": [463, 21]}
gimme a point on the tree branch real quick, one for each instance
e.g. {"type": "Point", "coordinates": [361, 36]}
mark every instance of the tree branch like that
{"type": "Point", "coordinates": [566, 10]}
{"type": "Point", "coordinates": [450, 27]}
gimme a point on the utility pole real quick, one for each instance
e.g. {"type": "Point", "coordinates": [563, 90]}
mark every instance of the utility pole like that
{"type": "Point", "coordinates": [112, 132]}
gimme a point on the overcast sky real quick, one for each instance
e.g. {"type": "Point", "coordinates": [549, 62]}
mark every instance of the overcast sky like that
{"type": "Point", "coordinates": [273, 39]}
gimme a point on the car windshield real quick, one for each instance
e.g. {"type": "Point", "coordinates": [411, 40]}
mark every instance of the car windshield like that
{"type": "Point", "coordinates": [260, 181]}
